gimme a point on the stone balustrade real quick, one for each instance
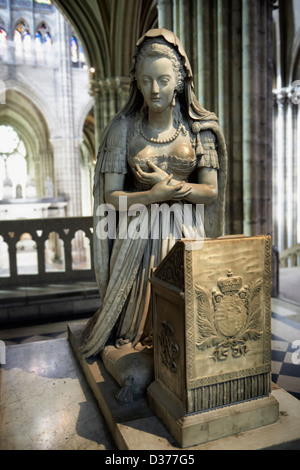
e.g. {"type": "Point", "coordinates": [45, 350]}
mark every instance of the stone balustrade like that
{"type": "Point", "coordinates": [290, 257]}
{"type": "Point", "coordinates": [40, 251]}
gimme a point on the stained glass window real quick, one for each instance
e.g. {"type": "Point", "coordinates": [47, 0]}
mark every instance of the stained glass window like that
{"type": "Point", "coordinates": [18, 41]}
{"type": "Point", "coordinates": [3, 37]}
{"type": "Point", "coordinates": [43, 2]}
{"type": "Point", "coordinates": [77, 54]}
{"type": "Point", "coordinates": [43, 43]}
{"type": "Point", "coordinates": [3, 50]}
{"type": "Point", "coordinates": [38, 38]}
{"type": "Point", "coordinates": [47, 39]}
{"type": "Point", "coordinates": [81, 54]}
{"type": "Point", "coordinates": [22, 28]}
{"type": "Point", "coordinates": [74, 50]}
{"type": "Point", "coordinates": [26, 41]}
{"type": "Point", "coordinates": [22, 39]}
{"type": "Point", "coordinates": [43, 35]}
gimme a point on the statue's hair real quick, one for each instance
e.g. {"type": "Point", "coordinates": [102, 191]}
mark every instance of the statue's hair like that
{"type": "Point", "coordinates": [158, 48]}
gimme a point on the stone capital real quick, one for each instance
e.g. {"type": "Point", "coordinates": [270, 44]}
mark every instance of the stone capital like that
{"type": "Point", "coordinates": [289, 94]}
{"type": "Point", "coordinates": [280, 96]}
{"type": "Point", "coordinates": [117, 84]}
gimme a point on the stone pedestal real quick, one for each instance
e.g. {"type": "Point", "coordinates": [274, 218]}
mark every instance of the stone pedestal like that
{"type": "Point", "coordinates": [136, 427]}
{"type": "Point", "coordinates": [212, 333]}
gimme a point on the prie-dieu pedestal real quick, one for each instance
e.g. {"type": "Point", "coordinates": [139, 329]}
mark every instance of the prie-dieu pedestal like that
{"type": "Point", "coordinates": [212, 338]}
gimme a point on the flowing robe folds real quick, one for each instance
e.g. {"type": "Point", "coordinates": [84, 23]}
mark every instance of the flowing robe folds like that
{"type": "Point", "coordinates": [123, 265]}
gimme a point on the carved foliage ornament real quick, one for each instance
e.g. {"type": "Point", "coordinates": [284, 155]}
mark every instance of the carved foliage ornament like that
{"type": "Point", "coordinates": [229, 317]}
{"type": "Point", "coordinates": [169, 348]}
{"type": "Point", "coordinates": [171, 269]}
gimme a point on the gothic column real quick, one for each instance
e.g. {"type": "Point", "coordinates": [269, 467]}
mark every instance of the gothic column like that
{"type": "Point", "coordinates": [39, 182]}
{"type": "Point", "coordinates": [66, 154]}
{"type": "Point", "coordinates": [46, 168]}
{"type": "Point", "coordinates": [286, 174]}
{"type": "Point", "coordinates": [280, 102]}
{"type": "Point", "coordinates": [165, 13]}
{"type": "Point", "coordinates": [297, 158]}
{"type": "Point", "coordinates": [257, 117]}
{"type": "Point", "coordinates": [109, 97]}
{"type": "Point", "coordinates": [10, 35]}
{"type": "Point", "coordinates": [230, 49]}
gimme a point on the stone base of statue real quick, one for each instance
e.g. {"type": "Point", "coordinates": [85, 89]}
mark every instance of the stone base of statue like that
{"type": "Point", "coordinates": [212, 338]}
{"type": "Point", "coordinates": [197, 428]}
{"type": "Point", "coordinates": [137, 427]}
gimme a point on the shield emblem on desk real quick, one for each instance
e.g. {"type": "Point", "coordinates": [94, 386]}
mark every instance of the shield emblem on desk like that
{"type": "Point", "coordinates": [230, 315]}
{"type": "Point", "coordinates": [227, 318]}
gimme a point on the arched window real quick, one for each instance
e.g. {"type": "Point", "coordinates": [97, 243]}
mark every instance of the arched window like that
{"type": "Point", "coordinates": [22, 40]}
{"type": "Point", "coordinates": [43, 35]}
{"type": "Point", "coordinates": [81, 55]}
{"type": "Point", "coordinates": [47, 39]}
{"type": "Point", "coordinates": [77, 54]}
{"type": "Point", "coordinates": [13, 162]}
{"type": "Point", "coordinates": [3, 43]}
{"type": "Point", "coordinates": [38, 40]}
{"type": "Point", "coordinates": [3, 36]}
{"type": "Point", "coordinates": [26, 41]}
{"type": "Point", "coordinates": [18, 42]}
{"type": "Point", "coordinates": [43, 43]}
{"type": "Point", "coordinates": [74, 50]}
{"type": "Point", "coordinates": [43, 2]}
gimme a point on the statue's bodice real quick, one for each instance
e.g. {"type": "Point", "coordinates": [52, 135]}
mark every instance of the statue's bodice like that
{"type": "Point", "coordinates": [177, 157]}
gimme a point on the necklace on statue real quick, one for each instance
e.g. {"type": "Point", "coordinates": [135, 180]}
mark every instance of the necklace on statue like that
{"type": "Point", "coordinates": [160, 141]}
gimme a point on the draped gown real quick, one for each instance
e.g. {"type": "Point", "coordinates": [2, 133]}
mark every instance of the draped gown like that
{"type": "Point", "coordinates": [123, 266]}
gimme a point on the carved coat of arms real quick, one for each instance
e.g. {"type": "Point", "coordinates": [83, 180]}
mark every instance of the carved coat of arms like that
{"type": "Point", "coordinates": [227, 318]}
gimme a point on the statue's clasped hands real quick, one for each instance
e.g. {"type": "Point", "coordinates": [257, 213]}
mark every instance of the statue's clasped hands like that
{"type": "Point", "coordinates": [163, 187]}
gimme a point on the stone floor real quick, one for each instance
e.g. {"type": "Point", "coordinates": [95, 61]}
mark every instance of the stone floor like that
{"type": "Point", "coordinates": [46, 403]}
{"type": "Point", "coordinates": [289, 282]}
{"type": "Point", "coordinates": [285, 343]}
{"type": "Point", "coordinates": [285, 337]}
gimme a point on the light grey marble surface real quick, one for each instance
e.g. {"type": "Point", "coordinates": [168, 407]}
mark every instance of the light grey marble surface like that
{"type": "Point", "coordinates": [46, 402]}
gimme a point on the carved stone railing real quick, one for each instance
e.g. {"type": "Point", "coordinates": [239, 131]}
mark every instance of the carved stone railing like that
{"type": "Point", "coordinates": [290, 257]}
{"type": "Point", "coordinates": [58, 250]}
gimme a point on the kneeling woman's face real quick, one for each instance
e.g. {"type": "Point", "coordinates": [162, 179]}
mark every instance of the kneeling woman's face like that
{"type": "Point", "coordinates": [157, 82]}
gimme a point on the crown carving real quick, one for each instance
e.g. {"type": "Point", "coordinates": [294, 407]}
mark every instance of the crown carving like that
{"type": "Point", "coordinates": [230, 283]}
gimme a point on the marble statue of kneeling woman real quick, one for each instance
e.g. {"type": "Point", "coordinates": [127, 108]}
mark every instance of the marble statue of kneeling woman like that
{"type": "Point", "coordinates": [162, 148]}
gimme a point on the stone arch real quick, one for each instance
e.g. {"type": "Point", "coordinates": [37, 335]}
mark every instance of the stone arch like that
{"type": "Point", "coordinates": [3, 23]}
{"type": "Point", "coordinates": [51, 22]}
{"type": "Point", "coordinates": [88, 159]}
{"type": "Point", "coordinates": [24, 115]}
{"type": "Point", "coordinates": [109, 37]}
{"type": "Point", "coordinates": [35, 97]}
{"type": "Point", "coordinates": [79, 125]}
{"type": "Point", "coordinates": [44, 26]}
{"type": "Point", "coordinates": [19, 21]}
{"type": "Point", "coordinates": [94, 39]}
